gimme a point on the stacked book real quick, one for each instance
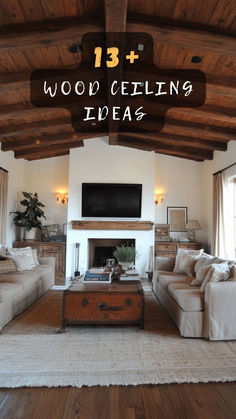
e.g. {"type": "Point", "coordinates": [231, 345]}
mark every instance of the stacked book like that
{"type": "Point", "coordinates": [97, 275]}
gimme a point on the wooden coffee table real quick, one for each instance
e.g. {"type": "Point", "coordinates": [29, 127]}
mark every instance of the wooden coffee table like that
{"type": "Point", "coordinates": [115, 303]}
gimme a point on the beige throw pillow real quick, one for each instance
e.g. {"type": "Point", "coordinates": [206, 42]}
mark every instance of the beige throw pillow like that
{"type": "Point", "coordinates": [23, 251]}
{"type": "Point", "coordinates": [216, 273]}
{"type": "Point", "coordinates": [165, 263]}
{"type": "Point", "coordinates": [35, 257]}
{"type": "Point", "coordinates": [23, 263]}
{"type": "Point", "coordinates": [7, 266]}
{"type": "Point", "coordinates": [186, 260]}
{"type": "Point", "coordinates": [200, 275]}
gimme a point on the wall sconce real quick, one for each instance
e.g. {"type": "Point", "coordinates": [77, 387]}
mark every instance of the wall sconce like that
{"type": "Point", "coordinates": [159, 198]}
{"type": "Point", "coordinates": [62, 197]}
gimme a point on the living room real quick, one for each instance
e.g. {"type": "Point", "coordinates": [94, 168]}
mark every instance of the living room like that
{"type": "Point", "coordinates": [42, 153]}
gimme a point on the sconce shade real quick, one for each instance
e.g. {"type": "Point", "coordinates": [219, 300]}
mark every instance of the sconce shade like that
{"type": "Point", "coordinates": [159, 198]}
{"type": "Point", "coordinates": [193, 225]}
{"type": "Point", "coordinates": [62, 198]}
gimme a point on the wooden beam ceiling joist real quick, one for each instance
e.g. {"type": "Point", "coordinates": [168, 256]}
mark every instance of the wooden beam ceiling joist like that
{"type": "Point", "coordinates": [41, 151]}
{"type": "Point", "coordinates": [178, 140]}
{"type": "Point", "coordinates": [46, 141]}
{"type": "Point", "coordinates": [115, 18]}
{"type": "Point", "coordinates": [169, 150]}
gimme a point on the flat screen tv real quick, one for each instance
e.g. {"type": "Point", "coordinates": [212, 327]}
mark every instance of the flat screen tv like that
{"type": "Point", "coordinates": [116, 200]}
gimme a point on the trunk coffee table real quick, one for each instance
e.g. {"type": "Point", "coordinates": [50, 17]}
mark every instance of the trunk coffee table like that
{"type": "Point", "coordinates": [115, 303]}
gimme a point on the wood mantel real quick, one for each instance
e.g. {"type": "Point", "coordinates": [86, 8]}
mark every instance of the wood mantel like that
{"type": "Point", "coordinates": [111, 225]}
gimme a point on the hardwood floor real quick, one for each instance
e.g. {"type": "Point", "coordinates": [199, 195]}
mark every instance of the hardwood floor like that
{"type": "Point", "coordinates": [205, 401]}
{"type": "Point", "coordinates": [181, 401]}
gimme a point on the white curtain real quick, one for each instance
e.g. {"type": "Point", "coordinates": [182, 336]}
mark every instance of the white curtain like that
{"type": "Point", "coordinates": [223, 214]}
{"type": "Point", "coordinates": [3, 205]}
{"type": "Point", "coordinates": [219, 239]}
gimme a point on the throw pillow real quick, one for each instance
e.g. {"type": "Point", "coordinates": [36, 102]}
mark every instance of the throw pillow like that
{"type": "Point", "coordinates": [186, 260]}
{"type": "Point", "coordinates": [23, 251]}
{"type": "Point", "coordinates": [3, 254]}
{"type": "Point", "coordinates": [233, 273]}
{"type": "Point", "coordinates": [7, 266]}
{"type": "Point", "coordinates": [200, 275]}
{"type": "Point", "coordinates": [165, 263]}
{"type": "Point", "coordinates": [216, 273]}
{"type": "Point", "coordinates": [23, 263]}
{"type": "Point", "coordinates": [204, 261]}
{"type": "Point", "coordinates": [35, 257]}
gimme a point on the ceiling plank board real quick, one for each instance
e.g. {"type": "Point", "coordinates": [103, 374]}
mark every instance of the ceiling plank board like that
{"type": "Point", "coordinates": [47, 33]}
{"type": "Point", "coordinates": [194, 39]}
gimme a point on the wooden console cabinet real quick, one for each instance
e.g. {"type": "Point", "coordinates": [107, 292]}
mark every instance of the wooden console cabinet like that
{"type": "Point", "coordinates": [169, 249]}
{"type": "Point", "coordinates": [55, 249]}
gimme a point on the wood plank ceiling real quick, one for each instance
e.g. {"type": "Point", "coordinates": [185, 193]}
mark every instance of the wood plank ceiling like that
{"type": "Point", "coordinates": [36, 34]}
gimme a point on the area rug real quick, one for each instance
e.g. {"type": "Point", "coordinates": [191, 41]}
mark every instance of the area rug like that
{"type": "Point", "coordinates": [111, 355]}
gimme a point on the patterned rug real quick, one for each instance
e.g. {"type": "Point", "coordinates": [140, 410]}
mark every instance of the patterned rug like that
{"type": "Point", "coordinates": [32, 353]}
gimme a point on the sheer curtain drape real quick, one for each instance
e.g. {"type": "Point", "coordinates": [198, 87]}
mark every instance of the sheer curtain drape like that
{"type": "Point", "coordinates": [223, 214]}
{"type": "Point", "coordinates": [3, 205]}
{"type": "Point", "coordinates": [219, 239]}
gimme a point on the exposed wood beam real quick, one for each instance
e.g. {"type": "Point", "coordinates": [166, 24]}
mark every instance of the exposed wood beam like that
{"type": "Point", "coordinates": [115, 16]}
{"type": "Point", "coordinates": [42, 151]}
{"type": "Point", "coordinates": [49, 155]}
{"type": "Point", "coordinates": [158, 147]}
{"type": "Point", "coordinates": [188, 38]}
{"type": "Point", "coordinates": [178, 140]}
{"type": "Point", "coordinates": [48, 140]}
{"type": "Point", "coordinates": [47, 33]}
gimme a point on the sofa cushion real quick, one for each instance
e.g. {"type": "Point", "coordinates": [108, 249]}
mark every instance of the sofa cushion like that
{"type": "Point", "coordinates": [205, 261]}
{"type": "Point", "coordinates": [27, 251]}
{"type": "Point", "coordinates": [216, 273]}
{"type": "Point", "coordinates": [35, 257]}
{"type": "Point", "coordinates": [3, 254]}
{"type": "Point", "coordinates": [165, 263]}
{"type": "Point", "coordinates": [22, 278]}
{"type": "Point", "coordinates": [7, 266]}
{"type": "Point", "coordinates": [23, 263]}
{"type": "Point", "coordinates": [186, 260]}
{"type": "Point", "coordinates": [9, 291]}
{"type": "Point", "coordinates": [166, 280]}
{"type": "Point", "coordinates": [188, 298]}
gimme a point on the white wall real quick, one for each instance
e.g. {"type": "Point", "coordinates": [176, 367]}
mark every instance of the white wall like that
{"type": "Point", "coordinates": [46, 177]}
{"type": "Point", "coordinates": [220, 161]}
{"type": "Point", "coordinates": [15, 185]}
{"type": "Point", "coordinates": [180, 181]}
{"type": "Point", "coordinates": [99, 162]}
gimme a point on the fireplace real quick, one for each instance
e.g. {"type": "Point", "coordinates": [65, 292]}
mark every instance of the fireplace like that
{"type": "Point", "coordinates": [102, 249]}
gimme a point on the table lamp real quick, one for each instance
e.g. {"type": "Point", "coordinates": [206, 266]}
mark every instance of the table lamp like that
{"type": "Point", "coordinates": [191, 226]}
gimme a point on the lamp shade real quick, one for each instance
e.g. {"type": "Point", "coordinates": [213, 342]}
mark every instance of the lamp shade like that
{"type": "Point", "coordinates": [193, 225]}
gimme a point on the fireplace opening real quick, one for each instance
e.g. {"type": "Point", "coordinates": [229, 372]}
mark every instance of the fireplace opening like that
{"type": "Point", "coordinates": [102, 249]}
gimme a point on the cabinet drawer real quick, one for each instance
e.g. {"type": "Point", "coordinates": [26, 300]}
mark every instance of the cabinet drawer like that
{"type": "Point", "coordinates": [166, 254]}
{"type": "Point", "coordinates": [84, 307]}
{"type": "Point", "coordinates": [51, 247]}
{"type": "Point", "coordinates": [162, 247]}
{"type": "Point", "coordinates": [190, 246]}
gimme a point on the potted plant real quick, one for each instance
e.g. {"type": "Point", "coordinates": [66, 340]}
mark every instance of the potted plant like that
{"type": "Point", "coordinates": [125, 255]}
{"type": "Point", "coordinates": [30, 217]}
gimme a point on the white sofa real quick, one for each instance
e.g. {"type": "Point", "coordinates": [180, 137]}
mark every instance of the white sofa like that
{"type": "Point", "coordinates": [18, 290]}
{"type": "Point", "coordinates": [211, 315]}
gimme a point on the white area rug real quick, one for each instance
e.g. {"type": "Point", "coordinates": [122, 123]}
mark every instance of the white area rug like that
{"type": "Point", "coordinates": [108, 355]}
